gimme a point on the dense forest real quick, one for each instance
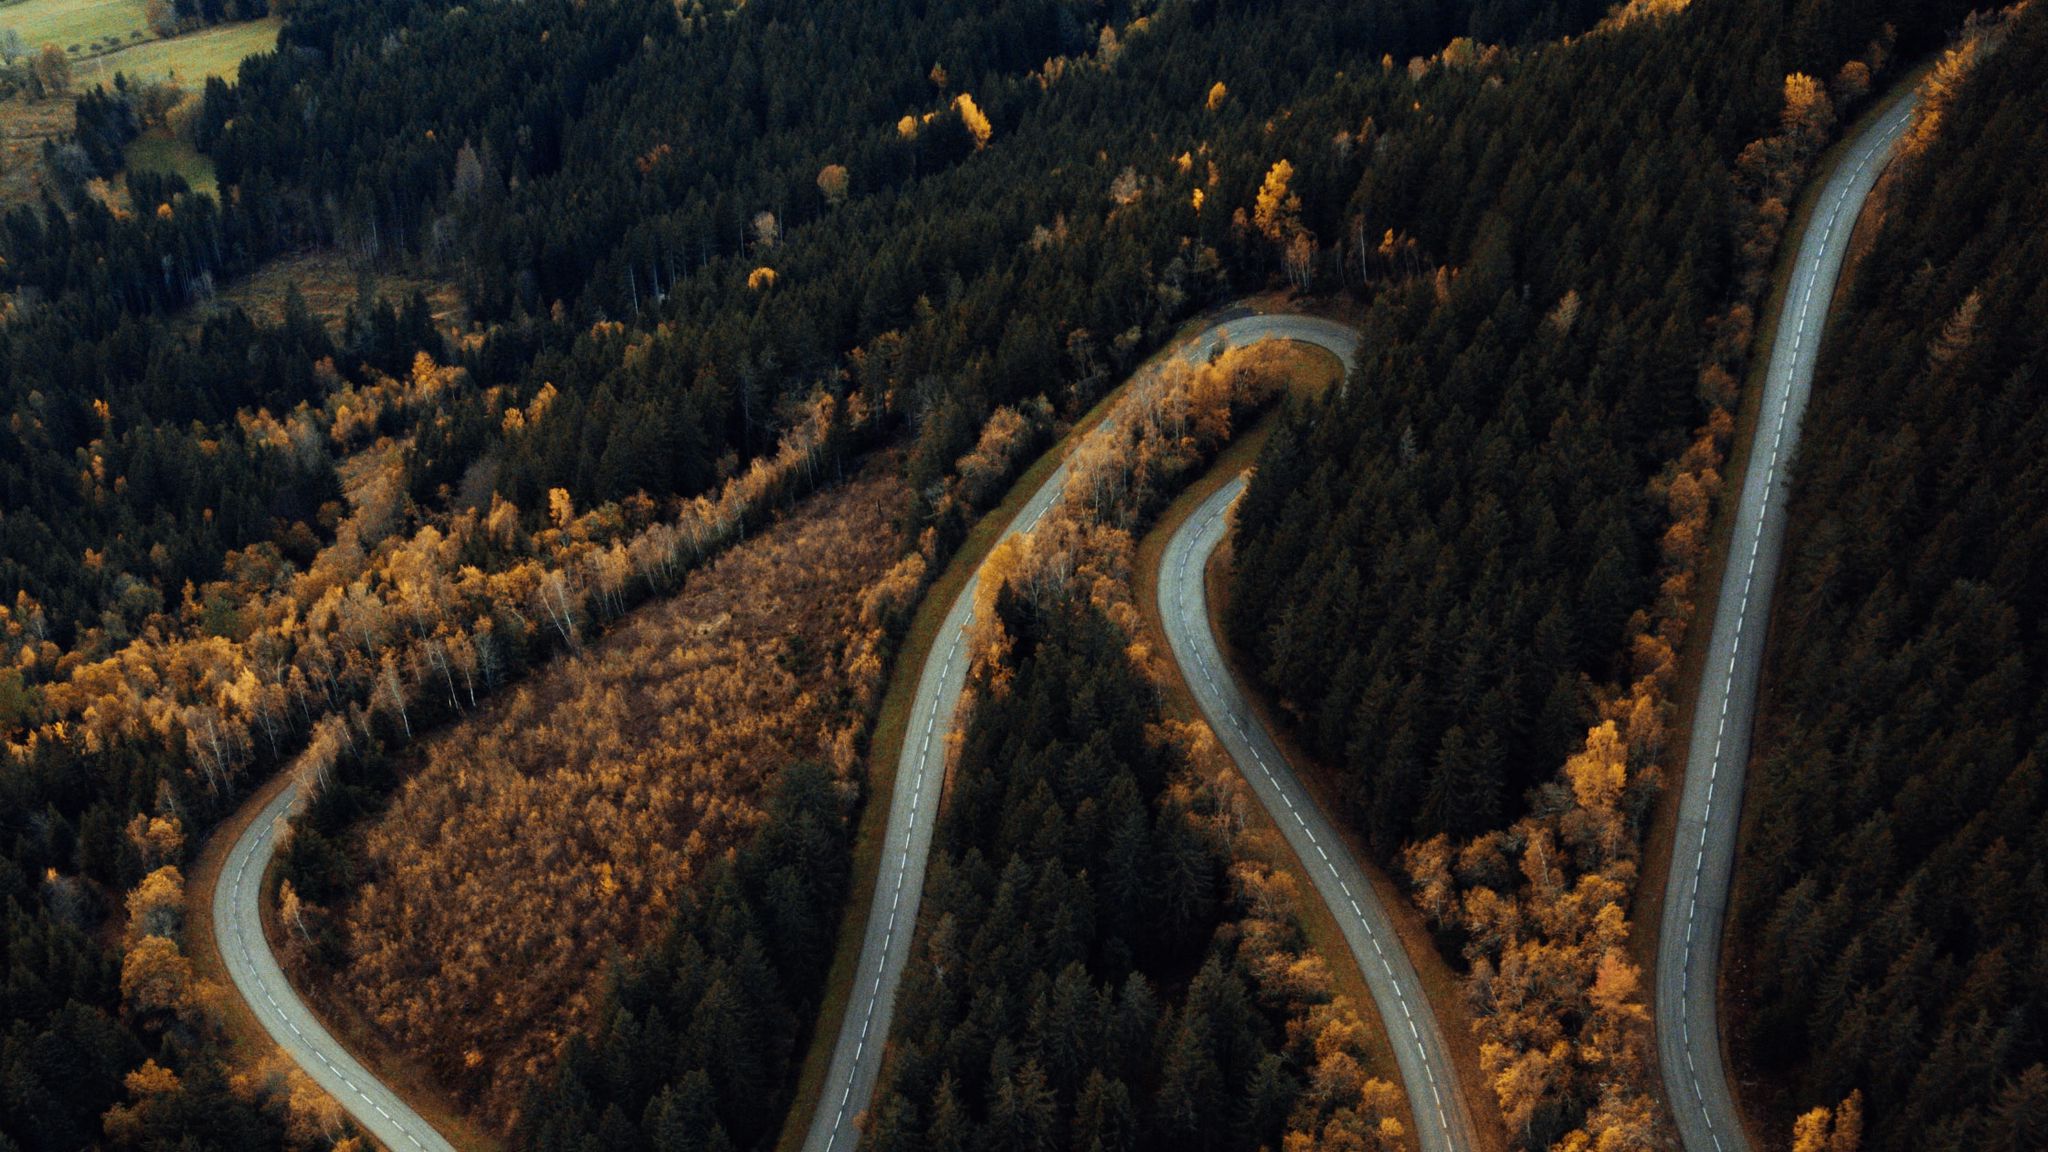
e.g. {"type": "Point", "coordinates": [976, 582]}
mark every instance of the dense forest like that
{"type": "Point", "coordinates": [1468, 575]}
{"type": "Point", "coordinates": [1440, 561]}
{"type": "Point", "coordinates": [1890, 926]}
{"type": "Point", "coordinates": [224, 539]}
{"type": "Point", "coordinates": [127, 482]}
{"type": "Point", "coordinates": [715, 253]}
{"type": "Point", "coordinates": [1075, 984]}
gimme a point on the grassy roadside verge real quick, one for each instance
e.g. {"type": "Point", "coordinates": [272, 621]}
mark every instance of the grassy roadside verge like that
{"type": "Point", "coordinates": [892, 721]}
{"type": "Point", "coordinates": [1440, 984]}
{"type": "Point", "coordinates": [1647, 909]}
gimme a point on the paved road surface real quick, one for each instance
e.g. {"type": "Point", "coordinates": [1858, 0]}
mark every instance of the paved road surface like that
{"type": "Point", "coordinates": [1696, 893]}
{"type": "Point", "coordinates": [913, 812]}
{"type": "Point", "coordinates": [239, 934]}
{"type": "Point", "coordinates": [1442, 1122]}
{"type": "Point", "coordinates": [920, 770]}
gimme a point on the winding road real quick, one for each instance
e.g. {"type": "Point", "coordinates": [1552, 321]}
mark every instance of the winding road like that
{"type": "Point", "coordinates": [1688, 1034]}
{"type": "Point", "coordinates": [238, 932]}
{"type": "Point", "coordinates": [1442, 1121]}
{"type": "Point", "coordinates": [885, 949]}
{"type": "Point", "coordinates": [920, 774]}
{"type": "Point", "coordinates": [1696, 892]}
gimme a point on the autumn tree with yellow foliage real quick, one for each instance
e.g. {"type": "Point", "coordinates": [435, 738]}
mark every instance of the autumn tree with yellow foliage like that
{"type": "Point", "coordinates": [1277, 209]}
{"type": "Point", "coordinates": [972, 116]}
{"type": "Point", "coordinates": [1837, 1129]}
{"type": "Point", "coordinates": [395, 616]}
{"type": "Point", "coordinates": [1276, 212]}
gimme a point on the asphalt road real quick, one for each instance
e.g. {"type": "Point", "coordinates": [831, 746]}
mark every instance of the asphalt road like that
{"type": "Point", "coordinates": [913, 811]}
{"type": "Point", "coordinates": [1441, 1121]}
{"type": "Point", "coordinates": [1689, 1044]}
{"type": "Point", "coordinates": [238, 932]}
{"type": "Point", "coordinates": [920, 774]}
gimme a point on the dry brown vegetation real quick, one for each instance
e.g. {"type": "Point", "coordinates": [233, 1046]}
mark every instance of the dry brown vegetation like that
{"type": "Point", "coordinates": [556, 828]}
{"type": "Point", "coordinates": [24, 125]}
{"type": "Point", "coordinates": [329, 282]}
{"type": "Point", "coordinates": [1168, 426]}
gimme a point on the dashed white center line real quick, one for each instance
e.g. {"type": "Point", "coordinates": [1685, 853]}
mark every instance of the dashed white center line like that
{"type": "Point", "coordinates": [1810, 270]}
{"type": "Point", "coordinates": [1204, 536]}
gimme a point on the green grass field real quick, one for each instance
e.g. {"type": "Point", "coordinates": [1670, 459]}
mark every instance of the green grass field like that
{"type": "Point", "coordinates": [86, 24]}
{"type": "Point", "coordinates": [158, 151]}
{"type": "Point", "coordinates": [215, 51]}
{"type": "Point", "coordinates": [25, 124]}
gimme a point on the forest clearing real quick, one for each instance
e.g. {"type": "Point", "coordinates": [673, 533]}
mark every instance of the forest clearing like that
{"type": "Point", "coordinates": [560, 825]}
